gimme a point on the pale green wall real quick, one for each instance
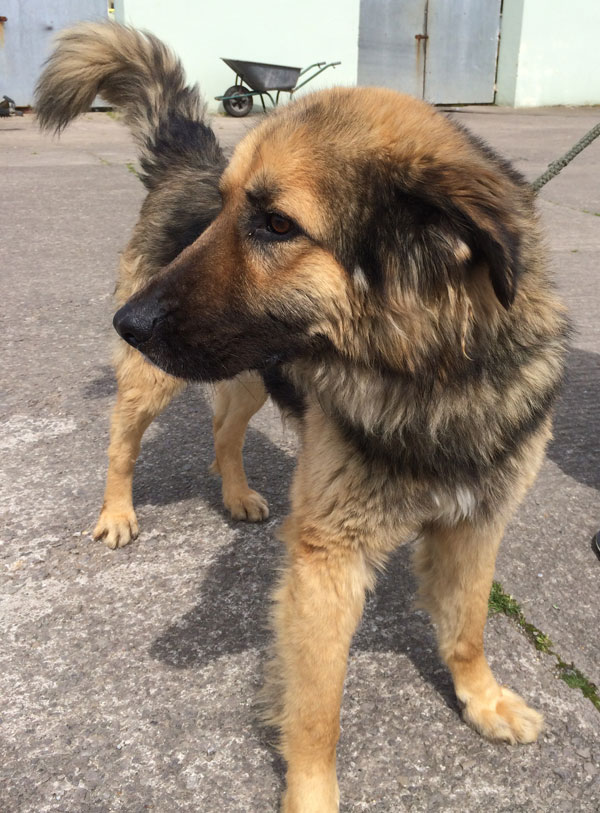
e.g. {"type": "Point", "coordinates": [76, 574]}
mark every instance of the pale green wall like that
{"type": "Point", "coordinates": [549, 53]}
{"type": "Point", "coordinates": [277, 31]}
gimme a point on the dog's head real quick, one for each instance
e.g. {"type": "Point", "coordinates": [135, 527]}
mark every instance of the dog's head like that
{"type": "Point", "coordinates": [346, 218]}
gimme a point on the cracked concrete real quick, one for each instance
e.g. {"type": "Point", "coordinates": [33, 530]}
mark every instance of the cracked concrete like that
{"type": "Point", "coordinates": [128, 678]}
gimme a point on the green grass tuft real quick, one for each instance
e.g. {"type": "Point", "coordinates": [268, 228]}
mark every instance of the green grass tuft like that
{"type": "Point", "coordinates": [577, 680]}
{"type": "Point", "coordinates": [501, 602]}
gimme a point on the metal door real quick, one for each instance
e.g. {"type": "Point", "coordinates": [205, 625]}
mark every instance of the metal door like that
{"type": "Point", "coordinates": [388, 53]}
{"type": "Point", "coordinates": [443, 51]}
{"type": "Point", "coordinates": [26, 38]}
{"type": "Point", "coordinates": [461, 51]}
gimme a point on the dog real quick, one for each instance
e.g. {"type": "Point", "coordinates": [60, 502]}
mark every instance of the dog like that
{"type": "Point", "coordinates": [182, 163]}
{"type": "Point", "coordinates": [380, 270]}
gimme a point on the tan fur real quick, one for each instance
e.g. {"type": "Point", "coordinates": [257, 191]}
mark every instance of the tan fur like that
{"type": "Point", "coordinates": [331, 562]}
{"type": "Point", "coordinates": [455, 566]}
{"type": "Point", "coordinates": [143, 392]}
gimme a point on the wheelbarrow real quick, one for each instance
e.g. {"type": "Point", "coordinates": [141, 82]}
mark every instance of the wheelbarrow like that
{"type": "Point", "coordinates": [7, 106]}
{"type": "Point", "coordinates": [261, 79]}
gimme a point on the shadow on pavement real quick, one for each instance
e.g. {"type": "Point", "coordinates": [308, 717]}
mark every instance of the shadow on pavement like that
{"type": "Point", "coordinates": [231, 616]}
{"type": "Point", "coordinates": [576, 445]}
{"type": "Point", "coordinates": [102, 386]}
{"type": "Point", "coordinates": [178, 451]}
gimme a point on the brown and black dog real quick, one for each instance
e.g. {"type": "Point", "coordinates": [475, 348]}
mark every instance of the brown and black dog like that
{"type": "Point", "coordinates": [182, 164]}
{"type": "Point", "coordinates": [380, 271]}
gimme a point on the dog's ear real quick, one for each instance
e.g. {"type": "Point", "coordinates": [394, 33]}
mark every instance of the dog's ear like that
{"type": "Point", "coordinates": [485, 209]}
{"type": "Point", "coordinates": [430, 220]}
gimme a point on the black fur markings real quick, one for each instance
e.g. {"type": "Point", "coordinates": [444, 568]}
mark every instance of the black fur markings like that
{"type": "Point", "coordinates": [180, 141]}
{"type": "Point", "coordinates": [183, 166]}
{"type": "Point", "coordinates": [287, 397]}
{"type": "Point", "coordinates": [448, 458]}
{"type": "Point", "coordinates": [214, 345]}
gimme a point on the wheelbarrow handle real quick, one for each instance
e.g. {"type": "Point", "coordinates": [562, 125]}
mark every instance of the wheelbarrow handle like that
{"type": "Point", "coordinates": [314, 65]}
{"type": "Point", "coordinates": [322, 67]}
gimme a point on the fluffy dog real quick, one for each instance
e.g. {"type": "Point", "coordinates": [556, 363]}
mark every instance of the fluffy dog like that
{"type": "Point", "coordinates": [382, 271]}
{"type": "Point", "coordinates": [182, 164]}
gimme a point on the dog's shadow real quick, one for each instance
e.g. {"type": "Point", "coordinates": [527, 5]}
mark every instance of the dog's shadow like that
{"type": "Point", "coordinates": [103, 385]}
{"type": "Point", "coordinates": [576, 445]}
{"type": "Point", "coordinates": [231, 614]}
{"type": "Point", "coordinates": [232, 610]}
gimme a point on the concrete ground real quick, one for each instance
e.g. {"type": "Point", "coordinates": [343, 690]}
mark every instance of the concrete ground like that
{"type": "Point", "coordinates": [128, 678]}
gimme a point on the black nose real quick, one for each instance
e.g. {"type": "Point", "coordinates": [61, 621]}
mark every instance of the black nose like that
{"type": "Point", "coordinates": [136, 322]}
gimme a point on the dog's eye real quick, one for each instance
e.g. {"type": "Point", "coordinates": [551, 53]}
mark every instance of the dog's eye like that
{"type": "Point", "coordinates": [278, 224]}
{"type": "Point", "coordinates": [269, 226]}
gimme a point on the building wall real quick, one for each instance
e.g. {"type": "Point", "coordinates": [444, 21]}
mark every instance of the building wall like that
{"type": "Point", "coordinates": [549, 49]}
{"type": "Point", "coordinates": [549, 53]}
{"type": "Point", "coordinates": [280, 32]}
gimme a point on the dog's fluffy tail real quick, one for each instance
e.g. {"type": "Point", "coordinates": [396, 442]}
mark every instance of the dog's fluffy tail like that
{"type": "Point", "coordinates": [136, 73]}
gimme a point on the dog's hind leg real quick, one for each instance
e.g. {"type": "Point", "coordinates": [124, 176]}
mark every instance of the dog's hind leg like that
{"type": "Point", "coordinates": [456, 568]}
{"type": "Point", "coordinates": [143, 392]}
{"type": "Point", "coordinates": [236, 401]}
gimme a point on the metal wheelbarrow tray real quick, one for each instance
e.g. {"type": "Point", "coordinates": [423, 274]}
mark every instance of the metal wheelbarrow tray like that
{"type": "Point", "coordinates": [261, 78]}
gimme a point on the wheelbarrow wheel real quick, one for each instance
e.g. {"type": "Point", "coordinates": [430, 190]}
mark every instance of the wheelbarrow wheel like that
{"type": "Point", "coordinates": [238, 107]}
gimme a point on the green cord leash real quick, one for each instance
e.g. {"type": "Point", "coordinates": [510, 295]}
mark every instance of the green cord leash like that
{"type": "Point", "coordinates": [556, 166]}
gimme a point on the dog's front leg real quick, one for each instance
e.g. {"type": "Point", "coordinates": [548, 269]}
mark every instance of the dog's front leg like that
{"type": "Point", "coordinates": [456, 567]}
{"type": "Point", "coordinates": [317, 606]}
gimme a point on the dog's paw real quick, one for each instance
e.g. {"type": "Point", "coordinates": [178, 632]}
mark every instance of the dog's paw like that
{"type": "Point", "coordinates": [504, 717]}
{"type": "Point", "coordinates": [248, 505]}
{"type": "Point", "coordinates": [116, 528]}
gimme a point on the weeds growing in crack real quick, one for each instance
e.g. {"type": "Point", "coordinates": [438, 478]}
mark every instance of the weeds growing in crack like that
{"type": "Point", "coordinates": [501, 602]}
